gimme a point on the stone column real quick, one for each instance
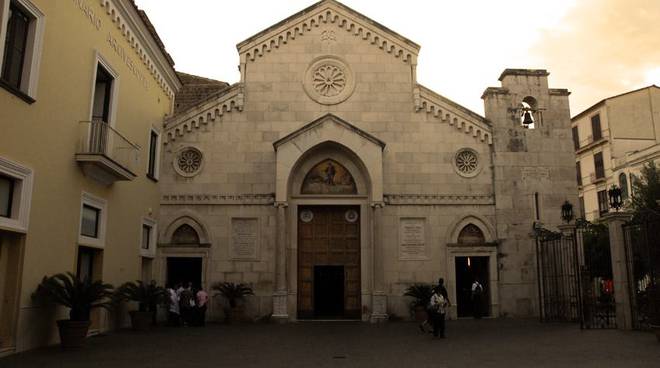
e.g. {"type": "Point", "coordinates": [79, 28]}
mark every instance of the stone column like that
{"type": "Point", "coordinates": [379, 297]}
{"type": "Point", "coordinates": [280, 296]}
{"type": "Point", "coordinates": [615, 221]}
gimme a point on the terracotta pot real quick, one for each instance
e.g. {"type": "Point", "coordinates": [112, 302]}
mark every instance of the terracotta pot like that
{"type": "Point", "coordinates": [141, 321]}
{"type": "Point", "coordinates": [73, 333]}
{"type": "Point", "coordinates": [421, 314]}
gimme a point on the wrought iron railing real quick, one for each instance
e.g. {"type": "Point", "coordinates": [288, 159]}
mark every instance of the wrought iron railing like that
{"type": "Point", "coordinates": [99, 138]}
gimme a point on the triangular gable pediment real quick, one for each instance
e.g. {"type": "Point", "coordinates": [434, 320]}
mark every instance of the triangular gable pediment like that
{"type": "Point", "coordinates": [328, 119]}
{"type": "Point", "coordinates": [333, 12]}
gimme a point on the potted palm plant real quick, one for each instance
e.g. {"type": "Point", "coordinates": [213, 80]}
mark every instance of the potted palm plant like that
{"type": "Point", "coordinates": [233, 294]}
{"type": "Point", "coordinates": [81, 296]}
{"type": "Point", "coordinates": [421, 294]}
{"type": "Point", "coordinates": [148, 296]}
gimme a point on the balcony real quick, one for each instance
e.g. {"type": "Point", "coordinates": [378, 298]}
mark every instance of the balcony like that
{"type": "Point", "coordinates": [104, 154]}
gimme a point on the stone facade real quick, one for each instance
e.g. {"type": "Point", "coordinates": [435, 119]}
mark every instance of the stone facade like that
{"type": "Point", "coordinates": [329, 83]}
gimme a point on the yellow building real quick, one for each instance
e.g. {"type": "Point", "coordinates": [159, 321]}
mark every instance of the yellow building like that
{"type": "Point", "coordinates": [85, 86]}
{"type": "Point", "coordinates": [612, 140]}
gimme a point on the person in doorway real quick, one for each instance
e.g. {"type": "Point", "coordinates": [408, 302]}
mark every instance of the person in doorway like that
{"type": "Point", "coordinates": [187, 304]}
{"type": "Point", "coordinates": [173, 315]}
{"type": "Point", "coordinates": [477, 298]}
{"type": "Point", "coordinates": [438, 309]}
{"type": "Point", "coordinates": [202, 298]}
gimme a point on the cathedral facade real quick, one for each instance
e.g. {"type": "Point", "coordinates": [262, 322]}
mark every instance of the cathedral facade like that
{"type": "Point", "coordinates": [330, 180]}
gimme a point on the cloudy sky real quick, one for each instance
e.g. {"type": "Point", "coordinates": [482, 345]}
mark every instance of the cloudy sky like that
{"type": "Point", "coordinates": [595, 48]}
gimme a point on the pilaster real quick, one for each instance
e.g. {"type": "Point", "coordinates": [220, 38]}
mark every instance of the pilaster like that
{"type": "Point", "coordinates": [280, 310]}
{"type": "Point", "coordinates": [614, 222]}
{"type": "Point", "coordinates": [379, 297]}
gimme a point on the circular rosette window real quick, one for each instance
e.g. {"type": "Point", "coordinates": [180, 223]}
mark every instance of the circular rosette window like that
{"type": "Point", "coordinates": [329, 80]}
{"type": "Point", "coordinates": [306, 216]}
{"type": "Point", "coordinates": [351, 216]}
{"type": "Point", "coordinates": [466, 163]}
{"type": "Point", "coordinates": [188, 162]}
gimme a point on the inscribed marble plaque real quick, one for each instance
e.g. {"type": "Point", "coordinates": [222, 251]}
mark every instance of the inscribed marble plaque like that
{"type": "Point", "coordinates": [244, 237]}
{"type": "Point", "coordinates": [412, 244]}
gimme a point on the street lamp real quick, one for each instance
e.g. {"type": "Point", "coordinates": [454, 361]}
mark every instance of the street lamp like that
{"type": "Point", "coordinates": [616, 200]}
{"type": "Point", "coordinates": [567, 211]}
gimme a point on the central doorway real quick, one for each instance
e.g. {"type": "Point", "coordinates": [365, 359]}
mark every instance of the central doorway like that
{"type": "Point", "coordinates": [183, 270]}
{"type": "Point", "coordinates": [329, 262]}
{"type": "Point", "coordinates": [467, 270]}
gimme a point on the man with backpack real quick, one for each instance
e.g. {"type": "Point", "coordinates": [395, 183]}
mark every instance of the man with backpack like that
{"type": "Point", "coordinates": [437, 310]}
{"type": "Point", "coordinates": [477, 298]}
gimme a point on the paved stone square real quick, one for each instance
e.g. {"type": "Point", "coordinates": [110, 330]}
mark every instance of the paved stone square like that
{"type": "Point", "coordinates": [470, 343]}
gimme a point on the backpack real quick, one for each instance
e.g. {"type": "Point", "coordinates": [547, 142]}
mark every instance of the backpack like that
{"type": "Point", "coordinates": [186, 300]}
{"type": "Point", "coordinates": [479, 289]}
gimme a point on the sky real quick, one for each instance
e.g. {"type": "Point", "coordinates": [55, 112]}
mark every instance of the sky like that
{"type": "Point", "coordinates": [594, 48]}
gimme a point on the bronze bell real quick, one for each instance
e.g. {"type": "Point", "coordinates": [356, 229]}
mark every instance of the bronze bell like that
{"type": "Point", "coordinates": [527, 118]}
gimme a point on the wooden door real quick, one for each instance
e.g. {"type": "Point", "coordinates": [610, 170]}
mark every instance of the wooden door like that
{"type": "Point", "coordinates": [329, 236]}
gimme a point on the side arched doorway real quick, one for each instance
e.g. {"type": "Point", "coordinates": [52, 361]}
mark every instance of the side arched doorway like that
{"type": "Point", "coordinates": [472, 255]}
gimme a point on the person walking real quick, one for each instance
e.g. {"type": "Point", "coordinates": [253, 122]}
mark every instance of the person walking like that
{"type": "Point", "coordinates": [438, 308]}
{"type": "Point", "coordinates": [187, 304]}
{"type": "Point", "coordinates": [443, 290]}
{"type": "Point", "coordinates": [477, 298]}
{"type": "Point", "coordinates": [173, 315]}
{"type": "Point", "coordinates": [202, 299]}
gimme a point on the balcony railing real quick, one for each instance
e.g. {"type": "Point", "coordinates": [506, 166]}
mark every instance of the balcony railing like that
{"type": "Point", "coordinates": [105, 154]}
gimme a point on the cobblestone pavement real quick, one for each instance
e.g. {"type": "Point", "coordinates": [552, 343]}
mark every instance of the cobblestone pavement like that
{"type": "Point", "coordinates": [470, 343]}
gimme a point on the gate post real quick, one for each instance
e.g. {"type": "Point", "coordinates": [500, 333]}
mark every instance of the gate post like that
{"type": "Point", "coordinates": [614, 222]}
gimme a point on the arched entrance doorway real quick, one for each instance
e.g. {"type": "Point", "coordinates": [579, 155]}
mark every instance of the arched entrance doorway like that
{"type": "Point", "coordinates": [329, 202]}
{"type": "Point", "coordinates": [328, 188]}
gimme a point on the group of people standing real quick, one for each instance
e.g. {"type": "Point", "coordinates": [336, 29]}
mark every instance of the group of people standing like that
{"type": "Point", "coordinates": [187, 305]}
{"type": "Point", "coordinates": [437, 308]}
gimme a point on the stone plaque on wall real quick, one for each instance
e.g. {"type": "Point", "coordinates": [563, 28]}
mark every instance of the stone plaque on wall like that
{"type": "Point", "coordinates": [244, 238]}
{"type": "Point", "coordinates": [412, 239]}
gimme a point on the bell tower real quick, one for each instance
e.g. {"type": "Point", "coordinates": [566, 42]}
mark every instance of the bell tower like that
{"type": "Point", "coordinates": [534, 173]}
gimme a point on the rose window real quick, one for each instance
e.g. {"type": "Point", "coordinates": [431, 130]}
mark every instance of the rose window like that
{"type": "Point", "coordinates": [467, 162]}
{"type": "Point", "coordinates": [189, 161]}
{"type": "Point", "coordinates": [329, 80]}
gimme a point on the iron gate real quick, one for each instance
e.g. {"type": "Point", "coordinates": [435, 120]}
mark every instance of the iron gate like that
{"type": "Point", "coordinates": [598, 309]}
{"type": "Point", "coordinates": [642, 246]}
{"type": "Point", "coordinates": [575, 276]}
{"type": "Point", "coordinates": [558, 281]}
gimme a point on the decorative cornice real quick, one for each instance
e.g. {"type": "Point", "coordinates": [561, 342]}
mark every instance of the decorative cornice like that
{"type": "Point", "coordinates": [452, 113]}
{"type": "Point", "coordinates": [437, 199]}
{"type": "Point", "coordinates": [119, 13]}
{"type": "Point", "coordinates": [323, 13]}
{"type": "Point", "coordinates": [227, 101]}
{"type": "Point", "coordinates": [322, 120]}
{"type": "Point", "coordinates": [221, 199]}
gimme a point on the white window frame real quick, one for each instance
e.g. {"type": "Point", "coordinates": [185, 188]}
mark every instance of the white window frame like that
{"type": "Point", "coordinates": [101, 205]}
{"type": "Point", "coordinates": [35, 40]}
{"type": "Point", "coordinates": [22, 196]}
{"type": "Point", "coordinates": [99, 59]}
{"type": "Point", "coordinates": [156, 175]}
{"type": "Point", "coordinates": [151, 251]}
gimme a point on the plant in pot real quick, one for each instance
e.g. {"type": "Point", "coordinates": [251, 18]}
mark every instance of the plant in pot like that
{"type": "Point", "coordinates": [148, 296]}
{"type": "Point", "coordinates": [233, 294]}
{"type": "Point", "coordinates": [81, 296]}
{"type": "Point", "coordinates": [421, 294]}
